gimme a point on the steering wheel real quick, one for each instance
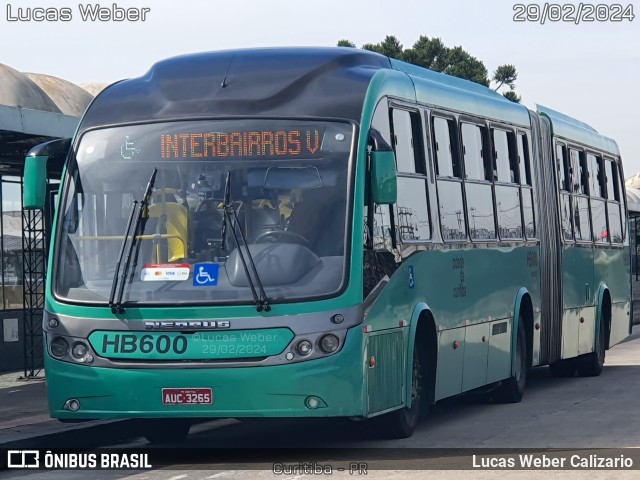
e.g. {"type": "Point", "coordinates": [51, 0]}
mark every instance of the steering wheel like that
{"type": "Point", "coordinates": [285, 235]}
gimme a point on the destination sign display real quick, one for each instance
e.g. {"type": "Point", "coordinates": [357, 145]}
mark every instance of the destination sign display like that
{"type": "Point", "coordinates": [284, 143]}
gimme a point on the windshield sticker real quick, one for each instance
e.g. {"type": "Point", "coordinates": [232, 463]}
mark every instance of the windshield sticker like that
{"type": "Point", "coordinates": [173, 272]}
{"type": "Point", "coordinates": [205, 274]}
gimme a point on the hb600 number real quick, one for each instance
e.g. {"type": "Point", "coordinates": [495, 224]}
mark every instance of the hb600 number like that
{"type": "Point", "coordinates": [145, 344]}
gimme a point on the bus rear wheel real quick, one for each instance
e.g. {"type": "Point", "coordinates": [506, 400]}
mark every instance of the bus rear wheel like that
{"type": "Point", "coordinates": [512, 389]}
{"type": "Point", "coordinates": [563, 368]}
{"type": "Point", "coordinates": [591, 365]}
{"type": "Point", "coordinates": [402, 423]}
{"type": "Point", "coordinates": [169, 430]}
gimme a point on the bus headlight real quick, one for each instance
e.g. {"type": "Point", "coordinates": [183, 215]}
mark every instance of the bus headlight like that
{"type": "Point", "coordinates": [79, 351]}
{"type": "Point", "coordinates": [329, 343]}
{"type": "Point", "coordinates": [304, 347]}
{"type": "Point", "coordinates": [59, 347]}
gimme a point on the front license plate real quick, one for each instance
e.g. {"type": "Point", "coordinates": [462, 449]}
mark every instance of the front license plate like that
{"type": "Point", "coordinates": [187, 396]}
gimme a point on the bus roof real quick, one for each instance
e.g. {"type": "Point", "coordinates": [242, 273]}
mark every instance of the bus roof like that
{"type": "Point", "coordinates": [446, 91]}
{"type": "Point", "coordinates": [300, 82]}
{"type": "Point", "coordinates": [571, 129]}
{"type": "Point", "coordinates": [325, 82]}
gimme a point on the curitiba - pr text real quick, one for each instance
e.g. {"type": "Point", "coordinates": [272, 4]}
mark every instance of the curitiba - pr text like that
{"type": "Point", "coordinates": [88, 12]}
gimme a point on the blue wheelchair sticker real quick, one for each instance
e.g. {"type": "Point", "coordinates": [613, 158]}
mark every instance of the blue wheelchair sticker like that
{"type": "Point", "coordinates": [412, 281]}
{"type": "Point", "coordinates": [205, 274]}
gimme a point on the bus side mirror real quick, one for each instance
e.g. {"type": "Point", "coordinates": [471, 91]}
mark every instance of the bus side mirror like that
{"type": "Point", "coordinates": [35, 171]}
{"type": "Point", "coordinates": [35, 183]}
{"type": "Point", "coordinates": [384, 181]}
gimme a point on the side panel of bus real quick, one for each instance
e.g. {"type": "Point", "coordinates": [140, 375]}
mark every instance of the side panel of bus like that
{"type": "Point", "coordinates": [470, 288]}
{"type": "Point", "coordinates": [595, 259]}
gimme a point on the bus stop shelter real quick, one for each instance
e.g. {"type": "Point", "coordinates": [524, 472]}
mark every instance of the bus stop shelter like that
{"type": "Point", "coordinates": [34, 108]}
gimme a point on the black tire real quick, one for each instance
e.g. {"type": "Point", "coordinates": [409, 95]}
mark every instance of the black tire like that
{"type": "Point", "coordinates": [563, 368]}
{"type": "Point", "coordinates": [166, 431]}
{"type": "Point", "coordinates": [591, 365]}
{"type": "Point", "coordinates": [512, 389]}
{"type": "Point", "coordinates": [402, 423]}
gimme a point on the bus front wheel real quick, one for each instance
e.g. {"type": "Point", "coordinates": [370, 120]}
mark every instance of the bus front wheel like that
{"type": "Point", "coordinates": [169, 430]}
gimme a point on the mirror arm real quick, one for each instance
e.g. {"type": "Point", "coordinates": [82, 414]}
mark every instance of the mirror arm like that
{"type": "Point", "coordinates": [377, 141]}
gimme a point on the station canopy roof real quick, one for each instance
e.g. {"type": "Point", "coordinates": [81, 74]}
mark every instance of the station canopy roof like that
{"type": "Point", "coordinates": [632, 186]}
{"type": "Point", "coordinates": [35, 108]}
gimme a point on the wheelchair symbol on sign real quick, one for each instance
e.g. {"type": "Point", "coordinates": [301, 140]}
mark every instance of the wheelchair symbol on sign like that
{"type": "Point", "coordinates": [207, 275]}
{"type": "Point", "coordinates": [203, 277]}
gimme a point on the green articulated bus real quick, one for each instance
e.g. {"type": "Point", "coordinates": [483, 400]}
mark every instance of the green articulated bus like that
{"type": "Point", "coordinates": [322, 232]}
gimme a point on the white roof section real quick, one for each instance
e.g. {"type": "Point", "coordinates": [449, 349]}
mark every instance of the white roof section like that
{"type": "Point", "coordinates": [39, 105]}
{"type": "Point", "coordinates": [632, 186]}
{"type": "Point", "coordinates": [68, 97]}
{"type": "Point", "coordinates": [20, 91]}
{"type": "Point", "coordinates": [633, 199]}
{"type": "Point", "coordinates": [94, 88]}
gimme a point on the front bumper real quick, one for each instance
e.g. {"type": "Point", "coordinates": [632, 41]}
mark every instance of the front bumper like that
{"type": "Point", "coordinates": [268, 391]}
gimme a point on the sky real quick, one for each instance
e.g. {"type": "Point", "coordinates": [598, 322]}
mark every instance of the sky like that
{"type": "Point", "coordinates": [588, 70]}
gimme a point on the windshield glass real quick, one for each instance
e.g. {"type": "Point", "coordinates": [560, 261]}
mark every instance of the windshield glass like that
{"type": "Point", "coordinates": [288, 186]}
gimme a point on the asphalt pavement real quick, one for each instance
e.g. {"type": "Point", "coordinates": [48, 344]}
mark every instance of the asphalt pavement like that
{"type": "Point", "coordinates": [25, 420]}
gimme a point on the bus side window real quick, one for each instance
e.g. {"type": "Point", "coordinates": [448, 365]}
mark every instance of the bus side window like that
{"type": "Point", "coordinates": [477, 158]}
{"type": "Point", "coordinates": [564, 179]}
{"type": "Point", "coordinates": [615, 207]}
{"type": "Point", "coordinates": [505, 170]}
{"type": "Point", "coordinates": [611, 180]}
{"type": "Point", "coordinates": [443, 145]}
{"type": "Point", "coordinates": [596, 184]}
{"type": "Point", "coordinates": [507, 188]}
{"type": "Point", "coordinates": [598, 208]}
{"type": "Point", "coordinates": [478, 179]}
{"type": "Point", "coordinates": [403, 140]}
{"type": "Point", "coordinates": [580, 205]}
{"type": "Point", "coordinates": [582, 177]}
{"type": "Point", "coordinates": [564, 171]}
{"type": "Point", "coordinates": [622, 194]}
{"type": "Point", "coordinates": [412, 209]}
{"type": "Point", "coordinates": [449, 179]}
{"type": "Point", "coordinates": [524, 161]}
{"type": "Point", "coordinates": [576, 172]}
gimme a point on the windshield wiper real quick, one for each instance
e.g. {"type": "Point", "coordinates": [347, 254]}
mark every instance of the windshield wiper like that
{"type": "Point", "coordinates": [230, 215]}
{"type": "Point", "coordinates": [115, 300]}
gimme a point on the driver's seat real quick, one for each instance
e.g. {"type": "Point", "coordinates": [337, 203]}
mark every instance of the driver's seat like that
{"type": "Point", "coordinates": [262, 220]}
{"type": "Point", "coordinates": [320, 219]}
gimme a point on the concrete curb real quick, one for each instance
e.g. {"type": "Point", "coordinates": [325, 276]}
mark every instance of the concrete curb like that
{"type": "Point", "coordinates": [16, 380]}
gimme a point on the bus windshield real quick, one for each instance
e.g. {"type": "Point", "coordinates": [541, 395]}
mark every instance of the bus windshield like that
{"type": "Point", "coordinates": [288, 184]}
